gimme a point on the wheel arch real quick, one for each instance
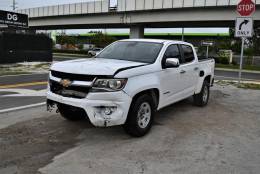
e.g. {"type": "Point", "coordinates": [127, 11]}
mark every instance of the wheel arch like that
{"type": "Point", "coordinates": [153, 92]}
{"type": "Point", "coordinates": [208, 79]}
{"type": "Point", "coordinates": [201, 81]}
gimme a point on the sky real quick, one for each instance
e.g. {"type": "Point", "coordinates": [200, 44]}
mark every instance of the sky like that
{"type": "Point", "coordinates": [21, 4]}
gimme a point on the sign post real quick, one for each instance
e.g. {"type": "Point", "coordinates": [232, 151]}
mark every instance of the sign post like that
{"type": "Point", "coordinates": [244, 27]}
{"type": "Point", "coordinates": [241, 60]}
{"type": "Point", "coordinates": [207, 44]}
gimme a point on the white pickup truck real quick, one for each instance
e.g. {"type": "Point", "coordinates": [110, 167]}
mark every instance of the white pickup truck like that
{"type": "Point", "coordinates": [128, 82]}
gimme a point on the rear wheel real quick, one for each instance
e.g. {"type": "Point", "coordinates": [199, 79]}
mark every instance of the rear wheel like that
{"type": "Point", "coordinates": [202, 98]}
{"type": "Point", "coordinates": [71, 113]}
{"type": "Point", "coordinates": [140, 116]}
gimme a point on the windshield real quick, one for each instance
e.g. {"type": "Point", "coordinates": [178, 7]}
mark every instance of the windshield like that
{"type": "Point", "coordinates": [145, 52]}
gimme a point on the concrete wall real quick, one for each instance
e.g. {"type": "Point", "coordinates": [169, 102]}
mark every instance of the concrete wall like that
{"type": "Point", "coordinates": [190, 17]}
{"type": "Point", "coordinates": [132, 5]}
{"type": "Point", "coordinates": [100, 6]}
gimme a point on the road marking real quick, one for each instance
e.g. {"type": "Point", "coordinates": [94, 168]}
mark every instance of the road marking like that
{"type": "Point", "coordinates": [16, 92]}
{"type": "Point", "coordinates": [23, 85]}
{"type": "Point", "coordinates": [21, 107]}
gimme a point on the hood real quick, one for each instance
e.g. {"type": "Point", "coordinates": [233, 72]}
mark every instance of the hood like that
{"type": "Point", "coordinates": [94, 66]}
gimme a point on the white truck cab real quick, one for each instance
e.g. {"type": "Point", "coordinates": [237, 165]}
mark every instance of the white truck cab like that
{"type": "Point", "coordinates": [128, 82]}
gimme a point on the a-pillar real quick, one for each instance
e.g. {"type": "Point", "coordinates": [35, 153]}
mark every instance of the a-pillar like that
{"type": "Point", "coordinates": [136, 32]}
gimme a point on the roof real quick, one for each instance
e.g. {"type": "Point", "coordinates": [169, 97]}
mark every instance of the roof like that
{"type": "Point", "coordinates": [155, 41]}
{"type": "Point", "coordinates": [166, 34]}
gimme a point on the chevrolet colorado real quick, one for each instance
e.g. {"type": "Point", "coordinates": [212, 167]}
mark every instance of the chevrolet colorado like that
{"type": "Point", "coordinates": [128, 81]}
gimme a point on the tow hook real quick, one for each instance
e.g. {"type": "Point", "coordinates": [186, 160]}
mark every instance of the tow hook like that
{"type": "Point", "coordinates": [51, 106]}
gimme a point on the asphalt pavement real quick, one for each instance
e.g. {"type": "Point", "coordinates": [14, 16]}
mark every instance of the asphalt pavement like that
{"type": "Point", "coordinates": [220, 138]}
{"type": "Point", "coordinates": [21, 90]}
{"type": "Point", "coordinates": [22, 79]}
{"type": "Point", "coordinates": [233, 75]}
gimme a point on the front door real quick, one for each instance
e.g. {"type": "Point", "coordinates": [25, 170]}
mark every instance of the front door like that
{"type": "Point", "coordinates": [171, 78]}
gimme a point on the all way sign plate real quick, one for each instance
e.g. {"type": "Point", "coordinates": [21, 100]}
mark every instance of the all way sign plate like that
{"type": "Point", "coordinates": [244, 27]}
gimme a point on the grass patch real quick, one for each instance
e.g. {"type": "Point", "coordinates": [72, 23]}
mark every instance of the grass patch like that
{"type": "Point", "coordinates": [245, 67]}
{"type": "Point", "coordinates": [42, 65]}
{"type": "Point", "coordinates": [249, 86]}
{"type": "Point", "coordinates": [80, 52]}
{"type": "Point", "coordinates": [242, 85]}
{"type": "Point", "coordinates": [16, 69]}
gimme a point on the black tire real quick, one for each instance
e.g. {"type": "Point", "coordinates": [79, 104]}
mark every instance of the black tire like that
{"type": "Point", "coordinates": [200, 99]}
{"type": "Point", "coordinates": [133, 126]}
{"type": "Point", "coordinates": [71, 113]}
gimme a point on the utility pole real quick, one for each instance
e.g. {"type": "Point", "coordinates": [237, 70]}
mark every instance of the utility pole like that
{"type": "Point", "coordinates": [182, 34]}
{"type": "Point", "coordinates": [14, 5]}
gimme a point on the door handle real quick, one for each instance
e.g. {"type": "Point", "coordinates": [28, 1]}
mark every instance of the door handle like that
{"type": "Point", "coordinates": [182, 71]}
{"type": "Point", "coordinates": [196, 68]}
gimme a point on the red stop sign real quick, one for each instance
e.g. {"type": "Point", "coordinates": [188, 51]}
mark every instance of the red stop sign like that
{"type": "Point", "coordinates": [246, 7]}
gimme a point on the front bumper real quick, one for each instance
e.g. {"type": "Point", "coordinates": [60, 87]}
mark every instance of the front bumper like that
{"type": "Point", "coordinates": [95, 105]}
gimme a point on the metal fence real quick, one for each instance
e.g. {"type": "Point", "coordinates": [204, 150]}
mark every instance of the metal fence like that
{"type": "Point", "coordinates": [133, 5]}
{"type": "Point", "coordinates": [101, 6]}
{"type": "Point", "coordinates": [255, 60]}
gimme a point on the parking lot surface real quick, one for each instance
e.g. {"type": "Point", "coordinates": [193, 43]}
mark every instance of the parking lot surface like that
{"type": "Point", "coordinates": [223, 137]}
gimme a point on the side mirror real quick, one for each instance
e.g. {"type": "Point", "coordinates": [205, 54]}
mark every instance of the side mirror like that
{"type": "Point", "coordinates": [172, 63]}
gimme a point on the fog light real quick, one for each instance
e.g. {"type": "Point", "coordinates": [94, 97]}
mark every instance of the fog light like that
{"type": "Point", "coordinates": [109, 110]}
{"type": "Point", "coordinates": [105, 110]}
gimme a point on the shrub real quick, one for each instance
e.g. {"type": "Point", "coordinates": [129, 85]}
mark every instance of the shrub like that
{"type": "Point", "coordinates": [101, 40]}
{"type": "Point", "coordinates": [234, 63]}
{"type": "Point", "coordinates": [224, 60]}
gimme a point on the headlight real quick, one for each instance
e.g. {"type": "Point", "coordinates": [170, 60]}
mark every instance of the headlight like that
{"type": "Point", "coordinates": [103, 85]}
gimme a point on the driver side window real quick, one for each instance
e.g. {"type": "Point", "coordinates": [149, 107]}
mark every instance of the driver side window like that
{"type": "Point", "coordinates": [172, 52]}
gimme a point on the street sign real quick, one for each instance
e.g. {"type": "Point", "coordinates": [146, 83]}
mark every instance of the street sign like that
{"type": "Point", "coordinates": [246, 7]}
{"type": "Point", "coordinates": [13, 19]}
{"type": "Point", "coordinates": [244, 27]}
{"type": "Point", "coordinates": [207, 43]}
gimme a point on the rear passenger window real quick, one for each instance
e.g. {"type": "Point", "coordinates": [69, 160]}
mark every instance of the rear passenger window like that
{"type": "Point", "coordinates": [187, 53]}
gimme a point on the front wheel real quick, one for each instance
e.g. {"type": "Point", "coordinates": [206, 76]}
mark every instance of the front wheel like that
{"type": "Point", "coordinates": [140, 116]}
{"type": "Point", "coordinates": [202, 98]}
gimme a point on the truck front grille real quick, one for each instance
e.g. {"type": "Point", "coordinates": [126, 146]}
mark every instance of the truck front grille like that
{"type": "Point", "coordinates": [71, 91]}
{"type": "Point", "coordinates": [72, 77]}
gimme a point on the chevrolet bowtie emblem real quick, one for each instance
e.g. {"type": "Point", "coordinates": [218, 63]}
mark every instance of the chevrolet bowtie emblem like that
{"type": "Point", "coordinates": [65, 83]}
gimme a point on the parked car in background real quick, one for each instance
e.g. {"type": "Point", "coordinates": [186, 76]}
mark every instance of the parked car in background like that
{"type": "Point", "coordinates": [95, 51]}
{"type": "Point", "coordinates": [128, 82]}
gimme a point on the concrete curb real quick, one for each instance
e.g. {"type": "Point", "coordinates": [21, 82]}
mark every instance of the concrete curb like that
{"type": "Point", "coordinates": [236, 70]}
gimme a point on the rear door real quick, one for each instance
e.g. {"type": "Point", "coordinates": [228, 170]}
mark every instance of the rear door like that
{"type": "Point", "coordinates": [188, 70]}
